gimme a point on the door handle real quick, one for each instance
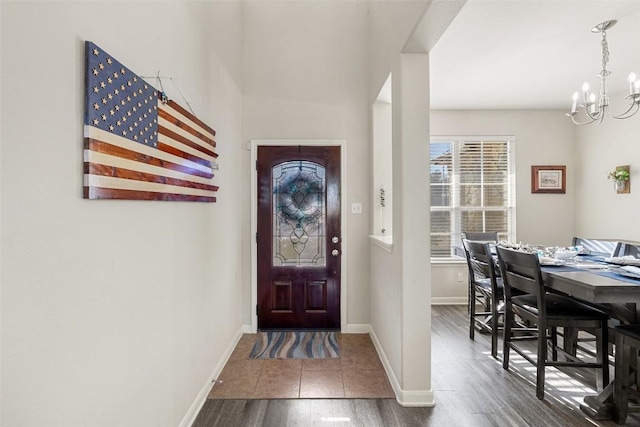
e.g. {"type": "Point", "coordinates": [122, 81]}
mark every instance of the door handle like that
{"type": "Point", "coordinates": [335, 252]}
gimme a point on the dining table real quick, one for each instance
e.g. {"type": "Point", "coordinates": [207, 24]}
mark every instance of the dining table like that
{"type": "Point", "coordinates": [604, 287]}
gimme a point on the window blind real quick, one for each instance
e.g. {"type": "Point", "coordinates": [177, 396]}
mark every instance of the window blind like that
{"type": "Point", "coordinates": [472, 188]}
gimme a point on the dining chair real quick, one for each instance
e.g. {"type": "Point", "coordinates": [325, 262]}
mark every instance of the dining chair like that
{"type": "Point", "coordinates": [478, 236]}
{"type": "Point", "coordinates": [485, 288]}
{"type": "Point", "coordinates": [627, 346]}
{"type": "Point", "coordinates": [547, 311]}
{"type": "Point", "coordinates": [481, 236]}
{"type": "Point", "coordinates": [629, 249]}
{"type": "Point", "coordinates": [599, 247]}
{"type": "Point", "coordinates": [606, 248]}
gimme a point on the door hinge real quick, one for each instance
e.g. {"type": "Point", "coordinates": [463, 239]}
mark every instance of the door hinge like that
{"type": "Point", "coordinates": [256, 165]}
{"type": "Point", "coordinates": [256, 237]}
{"type": "Point", "coordinates": [256, 309]}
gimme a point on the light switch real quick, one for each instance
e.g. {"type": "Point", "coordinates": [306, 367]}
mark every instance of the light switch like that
{"type": "Point", "coordinates": [356, 208]}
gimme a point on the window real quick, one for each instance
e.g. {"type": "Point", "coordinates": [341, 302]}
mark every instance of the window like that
{"type": "Point", "coordinates": [472, 189]}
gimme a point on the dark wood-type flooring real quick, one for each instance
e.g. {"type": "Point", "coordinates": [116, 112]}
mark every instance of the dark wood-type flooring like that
{"type": "Point", "coordinates": [470, 387]}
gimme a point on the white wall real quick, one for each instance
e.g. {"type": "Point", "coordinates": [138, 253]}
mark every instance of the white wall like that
{"type": "Point", "coordinates": [400, 279]}
{"type": "Point", "coordinates": [386, 303]}
{"type": "Point", "coordinates": [601, 212]}
{"type": "Point", "coordinates": [410, 148]}
{"type": "Point", "coordinates": [114, 313]}
{"type": "Point", "coordinates": [381, 176]}
{"type": "Point", "coordinates": [305, 77]}
{"type": "Point", "coordinates": [449, 282]}
{"type": "Point", "coordinates": [391, 24]}
{"type": "Point", "coordinates": [400, 286]}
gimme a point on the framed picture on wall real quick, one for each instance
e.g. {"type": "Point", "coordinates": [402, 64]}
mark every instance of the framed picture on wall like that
{"type": "Point", "coordinates": [548, 179]}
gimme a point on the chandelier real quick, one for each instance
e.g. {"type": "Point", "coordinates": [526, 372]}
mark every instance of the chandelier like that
{"type": "Point", "coordinates": [594, 112]}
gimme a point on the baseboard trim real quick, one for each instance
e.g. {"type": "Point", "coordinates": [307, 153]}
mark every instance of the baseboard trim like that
{"type": "Point", "coordinates": [406, 398]}
{"type": "Point", "coordinates": [356, 328]}
{"type": "Point", "coordinates": [395, 384]}
{"type": "Point", "coordinates": [422, 398]}
{"type": "Point", "coordinates": [449, 300]}
{"type": "Point", "coordinates": [197, 404]}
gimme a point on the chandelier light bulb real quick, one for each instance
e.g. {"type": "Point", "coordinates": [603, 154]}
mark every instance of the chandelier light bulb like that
{"type": "Point", "coordinates": [592, 101]}
{"type": "Point", "coordinates": [632, 82]}
{"type": "Point", "coordinates": [585, 92]}
{"type": "Point", "coordinates": [574, 102]}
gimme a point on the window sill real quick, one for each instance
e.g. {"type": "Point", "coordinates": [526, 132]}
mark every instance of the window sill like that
{"type": "Point", "coordinates": [448, 261]}
{"type": "Point", "coordinates": [385, 242]}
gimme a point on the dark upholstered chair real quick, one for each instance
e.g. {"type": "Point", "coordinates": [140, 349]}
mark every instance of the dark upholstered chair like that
{"type": "Point", "coordinates": [630, 249]}
{"type": "Point", "coordinates": [484, 287]}
{"type": "Point", "coordinates": [521, 271]}
{"type": "Point", "coordinates": [489, 236]}
{"type": "Point", "coordinates": [606, 248]}
{"type": "Point", "coordinates": [479, 236]}
{"type": "Point", "coordinates": [627, 346]}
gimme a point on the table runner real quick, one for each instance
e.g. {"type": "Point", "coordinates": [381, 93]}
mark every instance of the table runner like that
{"type": "Point", "coordinates": [617, 276]}
{"type": "Point", "coordinates": [560, 268]}
{"type": "Point", "coordinates": [604, 273]}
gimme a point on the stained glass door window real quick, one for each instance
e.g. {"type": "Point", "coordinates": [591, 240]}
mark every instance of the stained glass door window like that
{"type": "Point", "coordinates": [299, 214]}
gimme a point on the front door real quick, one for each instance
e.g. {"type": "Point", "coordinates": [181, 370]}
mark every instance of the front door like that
{"type": "Point", "coordinates": [299, 240]}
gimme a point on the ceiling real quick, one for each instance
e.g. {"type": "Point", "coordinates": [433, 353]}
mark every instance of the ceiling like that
{"type": "Point", "coordinates": [532, 54]}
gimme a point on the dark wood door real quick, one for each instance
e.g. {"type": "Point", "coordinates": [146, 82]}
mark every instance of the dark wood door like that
{"type": "Point", "coordinates": [299, 239]}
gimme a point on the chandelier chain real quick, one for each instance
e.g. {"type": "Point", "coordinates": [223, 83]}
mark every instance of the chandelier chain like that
{"type": "Point", "coordinates": [605, 51]}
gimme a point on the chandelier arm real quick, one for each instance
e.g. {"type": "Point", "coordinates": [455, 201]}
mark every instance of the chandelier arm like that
{"type": "Point", "coordinates": [573, 119]}
{"type": "Point", "coordinates": [597, 117]}
{"type": "Point", "coordinates": [635, 107]}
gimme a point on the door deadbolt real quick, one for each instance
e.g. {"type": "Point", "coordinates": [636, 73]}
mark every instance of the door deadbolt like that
{"type": "Point", "coordinates": [335, 239]}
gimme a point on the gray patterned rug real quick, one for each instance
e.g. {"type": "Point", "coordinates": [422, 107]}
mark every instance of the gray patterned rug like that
{"type": "Point", "coordinates": [295, 345]}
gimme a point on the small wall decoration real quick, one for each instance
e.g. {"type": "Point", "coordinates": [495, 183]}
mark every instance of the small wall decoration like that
{"type": "Point", "coordinates": [138, 144]}
{"type": "Point", "coordinates": [621, 179]}
{"type": "Point", "coordinates": [548, 179]}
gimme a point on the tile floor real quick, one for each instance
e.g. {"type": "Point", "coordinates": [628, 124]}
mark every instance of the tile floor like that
{"type": "Point", "coordinates": [358, 373]}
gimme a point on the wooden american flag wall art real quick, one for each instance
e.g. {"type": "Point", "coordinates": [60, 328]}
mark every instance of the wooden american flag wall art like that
{"type": "Point", "coordinates": [138, 147]}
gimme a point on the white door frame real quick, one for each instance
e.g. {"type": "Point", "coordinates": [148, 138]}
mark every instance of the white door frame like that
{"type": "Point", "coordinates": [255, 143]}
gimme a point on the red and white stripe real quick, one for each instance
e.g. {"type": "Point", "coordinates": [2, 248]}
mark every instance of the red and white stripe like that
{"type": "Point", "coordinates": [180, 168]}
